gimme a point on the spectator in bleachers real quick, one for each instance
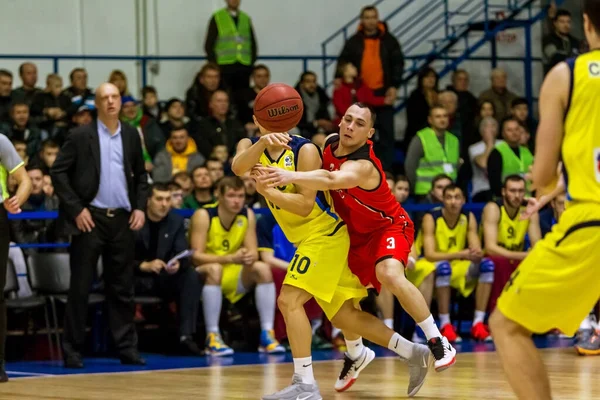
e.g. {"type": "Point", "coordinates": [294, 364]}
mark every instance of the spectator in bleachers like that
{"type": "Point", "coordinates": [219, 127]}
{"type": "Point", "coordinates": [316, 121]}
{"type": "Point", "coordinates": [79, 93]}
{"type": "Point", "coordinates": [197, 97]}
{"type": "Point", "coordinates": [221, 153]}
{"type": "Point", "coordinates": [27, 91]}
{"type": "Point", "coordinates": [152, 137]}
{"type": "Point", "coordinates": [435, 196]}
{"type": "Point", "coordinates": [498, 94]}
{"type": "Point", "coordinates": [550, 215]}
{"type": "Point", "coordinates": [485, 109]}
{"type": "Point", "coordinates": [37, 230]}
{"type": "Point", "coordinates": [559, 44]}
{"type": "Point", "coordinates": [432, 152]}
{"type": "Point", "coordinates": [215, 169]}
{"type": "Point", "coordinates": [161, 238]}
{"type": "Point", "coordinates": [6, 80]}
{"type": "Point", "coordinates": [389, 179]}
{"type": "Point", "coordinates": [453, 249]}
{"type": "Point", "coordinates": [176, 195]}
{"type": "Point", "coordinates": [401, 189]}
{"type": "Point", "coordinates": [231, 43]}
{"type": "Point", "coordinates": [504, 233]}
{"type": "Point", "coordinates": [467, 106]}
{"type": "Point", "coordinates": [49, 107]}
{"type": "Point", "coordinates": [20, 127]}
{"type": "Point", "coordinates": [83, 116]}
{"type": "Point", "coordinates": [478, 156]}
{"type": "Point", "coordinates": [202, 193]}
{"type": "Point", "coordinates": [21, 148]}
{"type": "Point", "coordinates": [519, 109]}
{"type": "Point", "coordinates": [352, 89]}
{"type": "Point", "coordinates": [226, 252]}
{"type": "Point", "coordinates": [47, 155]}
{"type": "Point", "coordinates": [419, 103]}
{"type": "Point", "coordinates": [184, 180]}
{"type": "Point", "coordinates": [449, 100]}
{"type": "Point", "coordinates": [508, 157]}
{"type": "Point", "coordinates": [179, 155]}
{"type": "Point", "coordinates": [150, 104]}
{"type": "Point", "coordinates": [380, 61]}
{"type": "Point", "coordinates": [175, 117]}
{"type": "Point", "coordinates": [261, 76]}
{"type": "Point", "coordinates": [253, 198]}
{"type": "Point", "coordinates": [525, 136]}
{"type": "Point", "coordinates": [119, 79]}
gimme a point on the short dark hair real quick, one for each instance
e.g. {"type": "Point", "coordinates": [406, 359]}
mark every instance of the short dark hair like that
{"type": "Point", "coordinates": [22, 66]}
{"type": "Point", "coordinates": [209, 66]}
{"type": "Point", "coordinates": [402, 178]}
{"type": "Point", "coordinates": [49, 143]}
{"type": "Point", "coordinates": [17, 141]}
{"type": "Point", "coordinates": [371, 111]}
{"type": "Point", "coordinates": [177, 129]}
{"type": "Point", "coordinates": [561, 12]}
{"type": "Point", "coordinates": [17, 104]}
{"type": "Point", "coordinates": [214, 159]}
{"type": "Point", "coordinates": [148, 90]}
{"type": "Point", "coordinates": [452, 186]}
{"type": "Point", "coordinates": [230, 182]}
{"type": "Point", "coordinates": [307, 73]}
{"type": "Point", "coordinates": [519, 101]}
{"type": "Point", "coordinates": [5, 72]}
{"type": "Point", "coordinates": [389, 175]}
{"type": "Point", "coordinates": [260, 66]}
{"type": "Point", "coordinates": [74, 71]}
{"type": "Point", "coordinates": [174, 186]}
{"type": "Point", "coordinates": [438, 178]}
{"type": "Point", "coordinates": [159, 187]}
{"type": "Point", "coordinates": [33, 167]}
{"type": "Point", "coordinates": [203, 166]}
{"type": "Point", "coordinates": [507, 120]}
{"type": "Point", "coordinates": [367, 8]}
{"type": "Point", "coordinates": [591, 8]}
{"type": "Point", "coordinates": [513, 178]}
{"type": "Point", "coordinates": [180, 174]}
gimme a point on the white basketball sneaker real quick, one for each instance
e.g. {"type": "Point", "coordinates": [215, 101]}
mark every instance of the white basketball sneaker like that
{"type": "Point", "coordinates": [352, 369]}
{"type": "Point", "coordinates": [444, 353]}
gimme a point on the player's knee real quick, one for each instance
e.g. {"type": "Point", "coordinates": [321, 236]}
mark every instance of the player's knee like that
{"type": "Point", "coordinates": [213, 273]}
{"type": "Point", "coordinates": [443, 272]}
{"type": "Point", "coordinates": [390, 273]}
{"type": "Point", "coordinates": [486, 271]}
{"type": "Point", "coordinates": [290, 299]}
{"type": "Point", "coordinates": [262, 272]}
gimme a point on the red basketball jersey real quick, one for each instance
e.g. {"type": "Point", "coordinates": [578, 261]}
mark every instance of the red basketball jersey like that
{"type": "Point", "coordinates": [364, 211]}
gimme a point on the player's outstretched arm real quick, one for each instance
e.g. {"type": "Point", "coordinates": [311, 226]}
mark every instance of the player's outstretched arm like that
{"type": "Point", "coordinates": [554, 96]}
{"type": "Point", "coordinates": [534, 230]}
{"type": "Point", "coordinates": [429, 245]}
{"type": "Point", "coordinates": [299, 203]}
{"type": "Point", "coordinates": [350, 175]}
{"type": "Point", "coordinates": [490, 219]}
{"type": "Point", "coordinates": [247, 155]}
{"type": "Point", "coordinates": [198, 237]}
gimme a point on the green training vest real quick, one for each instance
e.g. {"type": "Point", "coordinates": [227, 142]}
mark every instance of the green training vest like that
{"type": "Point", "coordinates": [234, 43]}
{"type": "Point", "coordinates": [434, 158]}
{"type": "Point", "coordinates": [511, 164]}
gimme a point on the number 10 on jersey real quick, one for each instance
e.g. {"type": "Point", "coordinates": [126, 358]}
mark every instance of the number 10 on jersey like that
{"type": "Point", "coordinates": [300, 264]}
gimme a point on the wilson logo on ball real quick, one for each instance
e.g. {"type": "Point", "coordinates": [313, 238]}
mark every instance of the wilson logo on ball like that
{"type": "Point", "coordinates": [274, 112]}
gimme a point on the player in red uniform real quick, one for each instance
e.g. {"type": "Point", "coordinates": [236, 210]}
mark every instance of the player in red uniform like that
{"type": "Point", "coordinates": [381, 233]}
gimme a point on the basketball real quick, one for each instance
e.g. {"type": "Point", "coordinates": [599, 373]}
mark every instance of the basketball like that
{"type": "Point", "coordinates": [278, 107]}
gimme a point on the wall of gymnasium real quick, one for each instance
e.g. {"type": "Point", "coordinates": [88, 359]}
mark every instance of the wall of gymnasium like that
{"type": "Point", "coordinates": [177, 27]}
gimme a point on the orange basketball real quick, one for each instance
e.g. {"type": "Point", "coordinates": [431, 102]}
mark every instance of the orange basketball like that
{"type": "Point", "coordinates": [278, 107]}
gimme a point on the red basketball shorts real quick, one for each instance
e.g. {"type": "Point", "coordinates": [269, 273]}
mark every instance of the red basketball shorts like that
{"type": "Point", "coordinates": [366, 251]}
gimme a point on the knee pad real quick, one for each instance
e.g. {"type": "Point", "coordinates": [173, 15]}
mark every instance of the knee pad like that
{"type": "Point", "coordinates": [486, 271]}
{"type": "Point", "coordinates": [443, 272]}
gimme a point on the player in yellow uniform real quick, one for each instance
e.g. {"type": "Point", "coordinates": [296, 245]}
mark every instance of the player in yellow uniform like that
{"type": "Point", "coordinates": [319, 268]}
{"type": "Point", "coordinates": [557, 283]}
{"type": "Point", "coordinates": [226, 253]}
{"type": "Point", "coordinates": [452, 247]}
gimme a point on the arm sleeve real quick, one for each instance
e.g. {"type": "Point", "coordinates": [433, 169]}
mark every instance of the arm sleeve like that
{"type": "Point", "coordinates": [413, 155]}
{"type": "Point", "coordinates": [211, 40]}
{"type": "Point", "coordinates": [60, 173]}
{"type": "Point", "coordinates": [8, 155]}
{"type": "Point", "coordinates": [494, 171]}
{"type": "Point", "coordinates": [397, 59]}
{"type": "Point", "coordinates": [254, 44]}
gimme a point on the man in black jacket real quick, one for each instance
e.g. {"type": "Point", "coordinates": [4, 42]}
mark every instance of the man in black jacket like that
{"type": "Point", "coordinates": [100, 179]}
{"type": "Point", "coordinates": [560, 44]}
{"type": "Point", "coordinates": [161, 238]}
{"type": "Point", "coordinates": [380, 62]}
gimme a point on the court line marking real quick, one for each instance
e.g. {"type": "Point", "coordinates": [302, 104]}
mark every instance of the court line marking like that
{"type": "Point", "coordinates": [32, 374]}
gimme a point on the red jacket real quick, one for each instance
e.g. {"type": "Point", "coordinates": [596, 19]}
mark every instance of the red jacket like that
{"type": "Point", "coordinates": [350, 93]}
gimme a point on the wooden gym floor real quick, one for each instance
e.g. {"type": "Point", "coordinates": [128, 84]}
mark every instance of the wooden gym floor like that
{"type": "Point", "coordinates": [476, 375]}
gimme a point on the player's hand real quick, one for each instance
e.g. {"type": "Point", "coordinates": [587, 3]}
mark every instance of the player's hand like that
{"type": "Point", "coordinates": [277, 177]}
{"type": "Point", "coordinates": [464, 254]}
{"type": "Point", "coordinates": [475, 255]}
{"type": "Point", "coordinates": [257, 173]}
{"type": "Point", "coordinates": [276, 139]}
{"type": "Point", "coordinates": [238, 256]}
{"type": "Point", "coordinates": [249, 258]}
{"type": "Point", "coordinates": [172, 268]}
{"type": "Point", "coordinates": [154, 266]}
{"type": "Point", "coordinates": [137, 219]}
{"type": "Point", "coordinates": [13, 205]}
{"type": "Point", "coordinates": [84, 221]}
{"type": "Point", "coordinates": [533, 206]}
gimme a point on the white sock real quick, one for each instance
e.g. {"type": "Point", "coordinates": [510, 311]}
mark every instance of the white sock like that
{"type": "Point", "coordinates": [400, 346]}
{"type": "Point", "coordinates": [389, 322]}
{"type": "Point", "coordinates": [479, 317]}
{"type": "Point", "coordinates": [586, 323]}
{"type": "Point", "coordinates": [355, 348]}
{"type": "Point", "coordinates": [212, 300]}
{"type": "Point", "coordinates": [444, 319]}
{"type": "Point", "coordinates": [264, 294]}
{"type": "Point", "coordinates": [303, 367]}
{"type": "Point", "coordinates": [334, 332]}
{"type": "Point", "coordinates": [429, 328]}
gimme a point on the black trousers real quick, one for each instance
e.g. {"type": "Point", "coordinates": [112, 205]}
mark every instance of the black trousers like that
{"type": "Point", "coordinates": [385, 146]}
{"type": "Point", "coordinates": [185, 287]}
{"type": "Point", "coordinates": [112, 239]}
{"type": "Point", "coordinates": [236, 78]}
{"type": "Point", "coordinates": [4, 244]}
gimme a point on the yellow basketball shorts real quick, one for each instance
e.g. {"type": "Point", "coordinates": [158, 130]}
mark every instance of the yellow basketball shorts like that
{"type": "Point", "coordinates": [557, 284]}
{"type": "Point", "coordinates": [231, 282]}
{"type": "Point", "coordinates": [320, 267]}
{"type": "Point", "coordinates": [459, 279]}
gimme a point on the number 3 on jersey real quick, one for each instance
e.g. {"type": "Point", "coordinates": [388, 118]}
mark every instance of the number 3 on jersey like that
{"type": "Point", "coordinates": [391, 243]}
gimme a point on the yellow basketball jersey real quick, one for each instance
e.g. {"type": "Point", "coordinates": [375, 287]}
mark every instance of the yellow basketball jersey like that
{"type": "Point", "coordinates": [512, 231]}
{"type": "Point", "coordinates": [223, 240]}
{"type": "Point", "coordinates": [450, 239]}
{"type": "Point", "coordinates": [581, 142]}
{"type": "Point", "coordinates": [321, 221]}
